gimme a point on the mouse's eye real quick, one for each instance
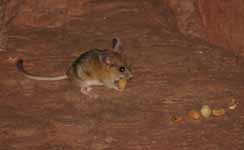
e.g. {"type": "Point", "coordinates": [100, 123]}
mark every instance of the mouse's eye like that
{"type": "Point", "coordinates": [122, 69]}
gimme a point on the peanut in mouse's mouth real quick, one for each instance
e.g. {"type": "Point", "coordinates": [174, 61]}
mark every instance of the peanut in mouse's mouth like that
{"type": "Point", "coordinates": [121, 84]}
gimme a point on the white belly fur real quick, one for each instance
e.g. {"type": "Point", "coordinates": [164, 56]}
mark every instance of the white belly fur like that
{"type": "Point", "coordinates": [94, 83]}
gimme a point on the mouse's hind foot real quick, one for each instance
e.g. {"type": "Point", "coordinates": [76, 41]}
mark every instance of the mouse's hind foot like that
{"type": "Point", "coordinates": [87, 91]}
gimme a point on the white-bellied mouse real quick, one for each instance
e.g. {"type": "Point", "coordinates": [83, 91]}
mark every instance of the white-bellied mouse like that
{"type": "Point", "coordinates": [95, 67]}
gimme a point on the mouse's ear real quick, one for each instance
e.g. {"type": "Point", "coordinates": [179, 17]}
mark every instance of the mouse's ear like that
{"type": "Point", "coordinates": [117, 45]}
{"type": "Point", "coordinates": [105, 59]}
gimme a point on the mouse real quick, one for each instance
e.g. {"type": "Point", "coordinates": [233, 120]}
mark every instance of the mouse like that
{"type": "Point", "coordinates": [95, 67]}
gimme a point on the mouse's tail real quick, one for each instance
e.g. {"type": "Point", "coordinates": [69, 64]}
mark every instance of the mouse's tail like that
{"type": "Point", "coordinates": [20, 67]}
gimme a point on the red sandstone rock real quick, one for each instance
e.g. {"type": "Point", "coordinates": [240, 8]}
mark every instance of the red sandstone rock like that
{"type": "Point", "coordinates": [224, 21]}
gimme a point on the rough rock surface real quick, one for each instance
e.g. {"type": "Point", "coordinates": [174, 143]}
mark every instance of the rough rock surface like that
{"type": "Point", "coordinates": [218, 21]}
{"type": "Point", "coordinates": [188, 16]}
{"type": "Point", "coordinates": [172, 75]}
{"type": "Point", "coordinates": [8, 11]}
{"type": "Point", "coordinates": [223, 21]}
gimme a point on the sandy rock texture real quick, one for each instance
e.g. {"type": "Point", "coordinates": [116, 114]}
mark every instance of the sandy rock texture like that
{"type": "Point", "coordinates": [223, 21]}
{"type": "Point", "coordinates": [220, 22]}
{"type": "Point", "coordinates": [173, 74]}
{"type": "Point", "coordinates": [9, 9]}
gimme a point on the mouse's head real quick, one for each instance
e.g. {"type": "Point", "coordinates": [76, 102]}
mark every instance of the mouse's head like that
{"type": "Point", "coordinates": [116, 64]}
